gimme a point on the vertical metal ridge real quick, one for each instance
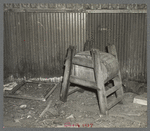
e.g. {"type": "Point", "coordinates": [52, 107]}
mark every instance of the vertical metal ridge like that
{"type": "Point", "coordinates": [51, 43]}
{"type": "Point", "coordinates": [134, 49]}
{"type": "Point", "coordinates": [28, 44]}
{"type": "Point", "coordinates": [43, 43]}
{"type": "Point", "coordinates": [33, 46]}
{"type": "Point", "coordinates": [140, 45]}
{"type": "Point", "coordinates": [59, 34]}
{"type": "Point", "coordinates": [48, 43]}
{"type": "Point", "coordinates": [12, 41]}
{"type": "Point", "coordinates": [46, 62]}
{"type": "Point", "coordinates": [121, 43]}
{"type": "Point", "coordinates": [65, 28]}
{"type": "Point", "coordinates": [101, 35]}
{"type": "Point", "coordinates": [76, 30]}
{"type": "Point", "coordinates": [38, 41]}
{"type": "Point", "coordinates": [84, 30]}
{"type": "Point", "coordinates": [94, 30]}
{"type": "Point", "coordinates": [106, 30]}
{"type": "Point", "coordinates": [129, 30]}
{"type": "Point", "coordinates": [145, 46]}
{"type": "Point", "coordinates": [125, 49]}
{"type": "Point", "coordinates": [15, 43]}
{"type": "Point", "coordinates": [5, 37]}
{"type": "Point", "coordinates": [131, 44]}
{"type": "Point", "coordinates": [137, 59]}
{"type": "Point", "coordinates": [56, 43]}
{"type": "Point", "coordinates": [98, 30]}
{"type": "Point", "coordinates": [90, 28]}
{"type": "Point", "coordinates": [81, 31]}
{"type": "Point", "coordinates": [53, 40]}
{"type": "Point", "coordinates": [63, 39]}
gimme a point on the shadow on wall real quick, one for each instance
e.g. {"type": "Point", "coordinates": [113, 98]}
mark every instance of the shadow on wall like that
{"type": "Point", "coordinates": [89, 44]}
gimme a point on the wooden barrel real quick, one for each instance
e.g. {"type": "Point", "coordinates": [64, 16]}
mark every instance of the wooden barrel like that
{"type": "Point", "coordinates": [110, 66]}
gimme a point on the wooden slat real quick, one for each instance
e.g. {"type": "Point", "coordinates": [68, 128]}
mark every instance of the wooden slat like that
{"type": "Point", "coordinates": [82, 82]}
{"type": "Point", "coordinates": [47, 95]}
{"type": "Point", "coordinates": [25, 97]}
{"type": "Point", "coordinates": [43, 83]}
{"type": "Point", "coordinates": [17, 87]}
{"type": "Point", "coordinates": [113, 89]}
{"type": "Point", "coordinates": [113, 103]}
{"type": "Point", "coordinates": [83, 62]}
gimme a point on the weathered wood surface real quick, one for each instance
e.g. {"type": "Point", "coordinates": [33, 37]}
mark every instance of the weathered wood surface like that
{"type": "Point", "coordinates": [100, 82]}
{"type": "Point", "coordinates": [83, 62]}
{"type": "Point", "coordinates": [67, 73]}
{"type": "Point", "coordinates": [82, 82]}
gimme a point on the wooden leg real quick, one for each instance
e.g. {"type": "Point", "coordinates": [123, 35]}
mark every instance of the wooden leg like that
{"type": "Point", "coordinates": [100, 82]}
{"type": "Point", "coordinates": [67, 72]}
{"type": "Point", "coordinates": [117, 80]}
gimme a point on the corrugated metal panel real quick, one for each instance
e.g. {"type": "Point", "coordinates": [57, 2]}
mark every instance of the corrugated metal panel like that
{"type": "Point", "coordinates": [36, 43]}
{"type": "Point", "coordinates": [128, 32]}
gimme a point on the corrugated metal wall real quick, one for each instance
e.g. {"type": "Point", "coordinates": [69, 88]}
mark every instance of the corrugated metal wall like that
{"type": "Point", "coordinates": [35, 44]}
{"type": "Point", "coordinates": [128, 31]}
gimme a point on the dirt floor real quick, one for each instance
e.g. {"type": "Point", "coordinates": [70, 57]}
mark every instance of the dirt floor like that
{"type": "Point", "coordinates": [80, 111]}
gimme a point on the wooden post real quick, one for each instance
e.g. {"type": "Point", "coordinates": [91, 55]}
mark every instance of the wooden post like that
{"type": "Point", "coordinates": [100, 82]}
{"type": "Point", "coordinates": [67, 73]}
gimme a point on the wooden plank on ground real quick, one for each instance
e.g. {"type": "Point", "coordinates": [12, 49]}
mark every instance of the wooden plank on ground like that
{"type": "Point", "coordinates": [140, 100]}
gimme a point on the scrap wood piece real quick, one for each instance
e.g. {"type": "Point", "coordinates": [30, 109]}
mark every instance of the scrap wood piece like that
{"type": "Point", "coordinates": [46, 109]}
{"type": "Point", "coordinates": [132, 114]}
{"type": "Point", "coordinates": [140, 100]}
{"type": "Point", "coordinates": [17, 87]}
{"type": "Point", "coordinates": [11, 83]}
{"type": "Point", "coordinates": [9, 86]}
{"type": "Point", "coordinates": [39, 82]}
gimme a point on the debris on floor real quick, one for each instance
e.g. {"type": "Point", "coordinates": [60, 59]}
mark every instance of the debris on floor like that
{"type": "Point", "coordinates": [81, 110]}
{"type": "Point", "coordinates": [9, 86]}
{"type": "Point", "coordinates": [23, 106]}
{"type": "Point", "coordinates": [69, 117]}
{"type": "Point", "coordinates": [26, 90]}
